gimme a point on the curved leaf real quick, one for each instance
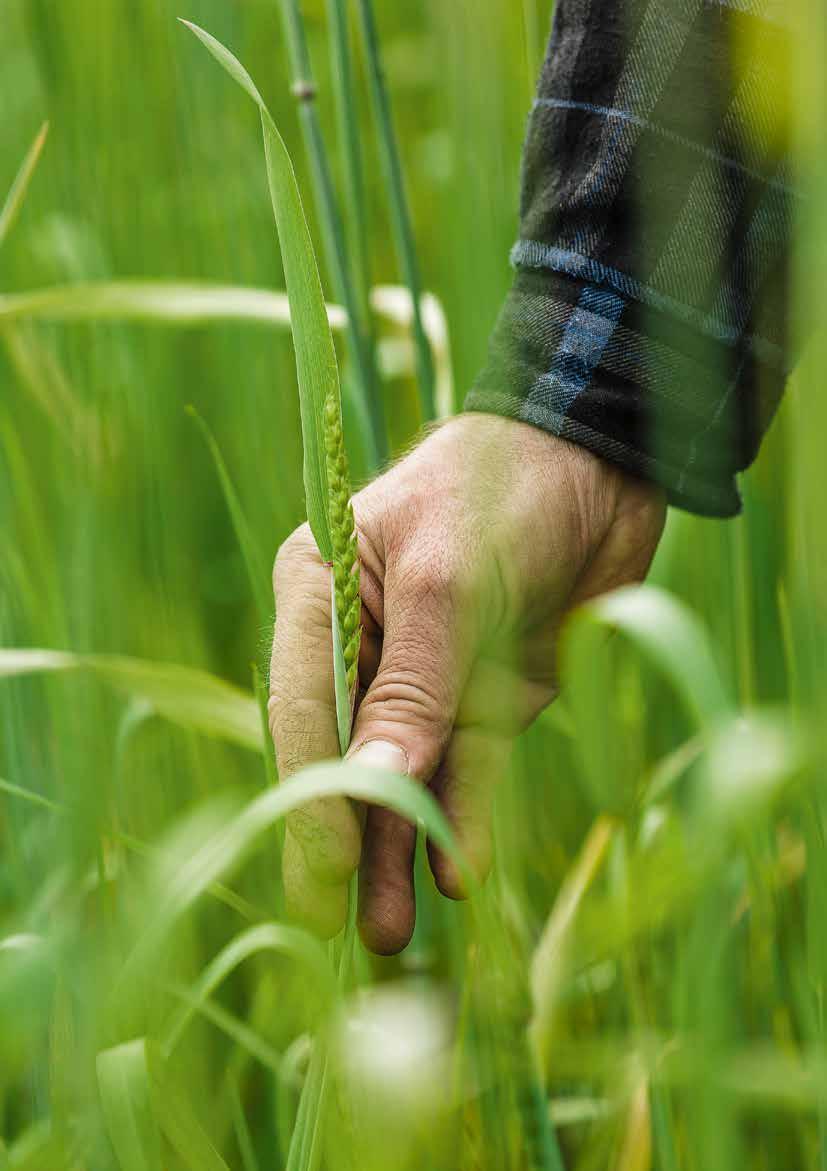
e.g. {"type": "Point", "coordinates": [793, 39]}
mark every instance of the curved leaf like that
{"type": "Point", "coordinates": [316, 365]}
{"type": "Point", "coordinates": [181, 880]}
{"type": "Point", "coordinates": [256, 574]}
{"type": "Point", "coordinates": [126, 1100]}
{"type": "Point", "coordinates": [17, 192]}
{"type": "Point", "coordinates": [676, 641]}
{"type": "Point", "coordinates": [289, 941]}
{"type": "Point", "coordinates": [181, 1128]}
{"type": "Point", "coordinates": [157, 302]}
{"type": "Point", "coordinates": [186, 696]}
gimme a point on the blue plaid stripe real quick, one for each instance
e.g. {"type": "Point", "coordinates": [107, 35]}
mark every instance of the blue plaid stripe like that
{"type": "Point", "coordinates": [581, 349]}
{"type": "Point", "coordinates": [533, 254]}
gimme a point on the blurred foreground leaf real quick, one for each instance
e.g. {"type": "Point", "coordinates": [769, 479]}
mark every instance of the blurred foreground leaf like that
{"type": "Point", "coordinates": [274, 937]}
{"type": "Point", "coordinates": [17, 192]}
{"type": "Point", "coordinates": [195, 860]}
{"type": "Point", "coordinates": [668, 633]}
{"type": "Point", "coordinates": [186, 696]}
{"type": "Point", "coordinates": [126, 1101]}
{"type": "Point", "coordinates": [156, 302]}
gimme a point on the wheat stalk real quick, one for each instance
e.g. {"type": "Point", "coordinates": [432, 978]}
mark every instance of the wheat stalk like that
{"type": "Point", "coordinates": [343, 539]}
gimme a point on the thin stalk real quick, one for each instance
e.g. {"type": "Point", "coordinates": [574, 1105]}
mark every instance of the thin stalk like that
{"type": "Point", "coordinates": [14, 201]}
{"type": "Point", "coordinates": [662, 1129]}
{"type": "Point", "coordinates": [333, 236]}
{"type": "Point", "coordinates": [743, 606]}
{"type": "Point", "coordinates": [270, 774]}
{"type": "Point", "coordinates": [256, 574]}
{"type": "Point", "coordinates": [631, 962]}
{"type": "Point", "coordinates": [399, 209]}
{"type": "Point", "coordinates": [297, 1139]}
{"type": "Point", "coordinates": [242, 1131]}
{"type": "Point", "coordinates": [260, 691]}
{"type": "Point", "coordinates": [350, 145]}
{"type": "Point", "coordinates": [310, 1104]}
{"type": "Point", "coordinates": [313, 1153]}
{"type": "Point", "coordinates": [822, 1107]}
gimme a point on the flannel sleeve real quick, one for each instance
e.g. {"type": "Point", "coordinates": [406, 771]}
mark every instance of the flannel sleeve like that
{"type": "Point", "coordinates": [649, 317]}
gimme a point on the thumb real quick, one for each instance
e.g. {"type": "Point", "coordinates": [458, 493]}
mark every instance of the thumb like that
{"type": "Point", "coordinates": [426, 652]}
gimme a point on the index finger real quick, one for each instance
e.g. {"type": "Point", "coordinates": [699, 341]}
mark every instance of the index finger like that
{"type": "Point", "coordinates": [302, 705]}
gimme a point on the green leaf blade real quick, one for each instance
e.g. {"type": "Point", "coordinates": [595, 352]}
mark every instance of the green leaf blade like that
{"type": "Point", "coordinates": [289, 941]}
{"type": "Point", "coordinates": [256, 574]}
{"type": "Point", "coordinates": [226, 60]}
{"type": "Point", "coordinates": [673, 637]}
{"type": "Point", "coordinates": [186, 696]}
{"type": "Point", "coordinates": [17, 192]}
{"type": "Point", "coordinates": [316, 364]}
{"type": "Point", "coordinates": [126, 1101]}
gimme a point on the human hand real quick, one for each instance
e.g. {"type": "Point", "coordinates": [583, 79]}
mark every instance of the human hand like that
{"type": "Point", "coordinates": [473, 549]}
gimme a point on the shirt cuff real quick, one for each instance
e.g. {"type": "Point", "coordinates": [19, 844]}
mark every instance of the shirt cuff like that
{"type": "Point", "coordinates": [653, 394]}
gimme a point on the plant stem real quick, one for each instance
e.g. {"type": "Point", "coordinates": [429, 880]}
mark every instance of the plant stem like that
{"type": "Point", "coordinates": [304, 90]}
{"type": "Point", "coordinates": [399, 210]}
{"type": "Point", "coordinates": [743, 610]}
{"type": "Point", "coordinates": [350, 145]}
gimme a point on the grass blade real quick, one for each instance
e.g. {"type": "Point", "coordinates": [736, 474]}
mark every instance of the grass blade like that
{"type": "Point", "coordinates": [126, 1101]}
{"type": "Point", "coordinates": [18, 189]}
{"type": "Point", "coordinates": [347, 115]}
{"type": "Point", "coordinates": [180, 1126]}
{"type": "Point", "coordinates": [28, 795]}
{"type": "Point", "coordinates": [242, 1132]}
{"type": "Point", "coordinates": [316, 364]}
{"type": "Point", "coordinates": [238, 1031]}
{"type": "Point", "coordinates": [290, 941]}
{"type": "Point", "coordinates": [370, 405]}
{"type": "Point", "coordinates": [155, 302]}
{"type": "Point", "coordinates": [185, 696]}
{"type": "Point", "coordinates": [256, 572]}
{"type": "Point", "coordinates": [551, 953]}
{"type": "Point", "coordinates": [179, 880]}
{"type": "Point", "coordinates": [394, 303]}
{"type": "Point", "coordinates": [400, 212]}
{"type": "Point", "coordinates": [670, 634]}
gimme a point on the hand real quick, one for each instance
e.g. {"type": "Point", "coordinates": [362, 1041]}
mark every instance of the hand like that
{"type": "Point", "coordinates": [473, 549]}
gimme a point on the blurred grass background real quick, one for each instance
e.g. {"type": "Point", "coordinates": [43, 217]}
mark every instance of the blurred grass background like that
{"type": "Point", "coordinates": [116, 538]}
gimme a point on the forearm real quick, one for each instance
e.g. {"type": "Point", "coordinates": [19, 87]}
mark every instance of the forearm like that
{"type": "Point", "coordinates": [649, 316]}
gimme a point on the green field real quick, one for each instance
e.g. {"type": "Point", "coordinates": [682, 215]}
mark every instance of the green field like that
{"type": "Point", "coordinates": [640, 986]}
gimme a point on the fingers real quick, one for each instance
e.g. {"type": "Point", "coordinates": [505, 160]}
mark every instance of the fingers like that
{"type": "Point", "coordinates": [404, 723]}
{"type": "Point", "coordinates": [412, 701]}
{"type": "Point", "coordinates": [302, 711]}
{"type": "Point", "coordinates": [498, 703]}
{"type": "Point", "coordinates": [320, 906]}
{"type": "Point", "coordinates": [387, 908]}
{"type": "Point", "coordinates": [465, 785]}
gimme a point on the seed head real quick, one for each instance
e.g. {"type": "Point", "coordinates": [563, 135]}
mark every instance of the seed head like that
{"type": "Point", "coordinates": [343, 538]}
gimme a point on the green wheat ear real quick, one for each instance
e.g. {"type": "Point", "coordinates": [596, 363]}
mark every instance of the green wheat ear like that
{"type": "Point", "coordinates": [343, 537]}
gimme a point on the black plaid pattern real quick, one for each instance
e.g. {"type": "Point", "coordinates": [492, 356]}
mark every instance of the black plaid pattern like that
{"type": "Point", "coordinates": [649, 318]}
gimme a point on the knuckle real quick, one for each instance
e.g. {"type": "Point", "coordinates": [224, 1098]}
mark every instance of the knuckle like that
{"type": "Point", "coordinates": [405, 698]}
{"type": "Point", "coordinates": [441, 579]}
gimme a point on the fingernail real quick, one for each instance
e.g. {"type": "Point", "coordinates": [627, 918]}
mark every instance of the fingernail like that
{"type": "Point", "coordinates": [381, 754]}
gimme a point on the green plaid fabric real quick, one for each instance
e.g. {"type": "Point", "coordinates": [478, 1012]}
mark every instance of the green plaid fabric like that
{"type": "Point", "coordinates": [650, 315]}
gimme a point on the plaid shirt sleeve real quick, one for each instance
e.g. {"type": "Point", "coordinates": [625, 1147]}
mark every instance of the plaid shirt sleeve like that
{"type": "Point", "coordinates": [649, 317]}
